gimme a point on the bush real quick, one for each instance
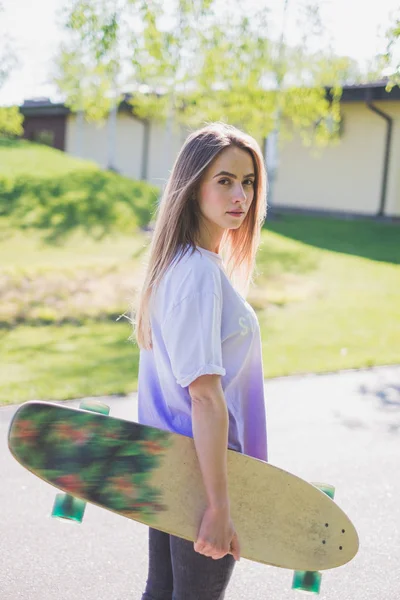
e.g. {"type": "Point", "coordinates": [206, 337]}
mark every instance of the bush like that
{"type": "Point", "coordinates": [96, 201]}
{"type": "Point", "coordinates": [11, 121]}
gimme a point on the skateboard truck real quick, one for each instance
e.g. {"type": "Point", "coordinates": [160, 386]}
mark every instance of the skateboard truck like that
{"type": "Point", "coordinates": [67, 507]}
{"type": "Point", "coordinates": [310, 581]}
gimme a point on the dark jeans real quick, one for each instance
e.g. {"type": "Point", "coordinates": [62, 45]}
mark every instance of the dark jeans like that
{"type": "Point", "coordinates": [177, 572]}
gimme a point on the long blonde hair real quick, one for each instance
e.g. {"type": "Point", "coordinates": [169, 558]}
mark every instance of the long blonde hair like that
{"type": "Point", "coordinates": [177, 223]}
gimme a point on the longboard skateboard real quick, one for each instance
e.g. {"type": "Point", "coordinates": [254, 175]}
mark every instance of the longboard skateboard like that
{"type": "Point", "coordinates": [152, 476]}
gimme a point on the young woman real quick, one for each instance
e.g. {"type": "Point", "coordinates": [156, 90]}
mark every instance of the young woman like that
{"type": "Point", "coordinates": [200, 370]}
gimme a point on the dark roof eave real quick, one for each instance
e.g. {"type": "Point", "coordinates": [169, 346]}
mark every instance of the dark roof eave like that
{"type": "Point", "coordinates": [48, 110]}
{"type": "Point", "coordinates": [376, 92]}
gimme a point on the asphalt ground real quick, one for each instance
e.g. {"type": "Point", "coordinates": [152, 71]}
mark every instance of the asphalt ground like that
{"type": "Point", "coordinates": [342, 429]}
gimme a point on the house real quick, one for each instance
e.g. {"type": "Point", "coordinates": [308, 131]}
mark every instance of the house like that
{"type": "Point", "coordinates": [143, 150]}
{"type": "Point", "coordinates": [359, 175]}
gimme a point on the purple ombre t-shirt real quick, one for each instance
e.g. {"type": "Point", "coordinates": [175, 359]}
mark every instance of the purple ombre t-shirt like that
{"type": "Point", "coordinates": [202, 325]}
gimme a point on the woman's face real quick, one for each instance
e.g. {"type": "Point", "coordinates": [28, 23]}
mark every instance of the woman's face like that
{"type": "Point", "coordinates": [226, 186]}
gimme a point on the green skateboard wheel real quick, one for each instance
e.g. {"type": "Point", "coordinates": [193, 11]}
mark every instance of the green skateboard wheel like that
{"type": "Point", "coordinates": [307, 581]}
{"type": "Point", "coordinates": [310, 581]}
{"type": "Point", "coordinates": [68, 508]}
{"type": "Point", "coordinates": [95, 406]}
{"type": "Point", "coordinates": [328, 489]}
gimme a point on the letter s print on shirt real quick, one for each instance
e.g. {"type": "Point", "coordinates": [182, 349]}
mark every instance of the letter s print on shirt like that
{"type": "Point", "coordinates": [243, 326]}
{"type": "Point", "coordinates": [246, 325]}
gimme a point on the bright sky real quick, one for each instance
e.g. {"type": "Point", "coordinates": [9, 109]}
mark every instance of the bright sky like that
{"type": "Point", "coordinates": [356, 27]}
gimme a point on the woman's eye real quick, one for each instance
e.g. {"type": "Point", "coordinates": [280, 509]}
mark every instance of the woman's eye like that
{"type": "Point", "coordinates": [227, 181]}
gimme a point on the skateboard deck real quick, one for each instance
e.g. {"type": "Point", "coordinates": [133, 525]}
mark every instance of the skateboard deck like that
{"type": "Point", "coordinates": [153, 476]}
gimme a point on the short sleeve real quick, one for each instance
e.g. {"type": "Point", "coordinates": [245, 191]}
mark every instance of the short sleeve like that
{"type": "Point", "coordinates": [192, 336]}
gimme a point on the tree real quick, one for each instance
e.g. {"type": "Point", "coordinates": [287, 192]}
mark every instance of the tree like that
{"type": "Point", "coordinates": [166, 53]}
{"type": "Point", "coordinates": [197, 68]}
{"type": "Point", "coordinates": [392, 55]}
{"type": "Point", "coordinates": [166, 57]}
{"type": "Point", "coordinates": [11, 119]}
{"type": "Point", "coordinates": [88, 65]}
{"type": "Point", "coordinates": [184, 66]}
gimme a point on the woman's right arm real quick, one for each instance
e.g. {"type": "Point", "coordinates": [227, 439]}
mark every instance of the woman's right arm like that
{"type": "Point", "coordinates": [210, 422]}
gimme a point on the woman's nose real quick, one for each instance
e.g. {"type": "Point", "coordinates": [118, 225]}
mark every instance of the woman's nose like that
{"type": "Point", "coordinates": [239, 192]}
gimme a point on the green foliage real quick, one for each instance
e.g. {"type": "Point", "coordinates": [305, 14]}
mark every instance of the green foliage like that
{"type": "Point", "coordinates": [185, 66]}
{"type": "Point", "coordinates": [98, 202]}
{"type": "Point", "coordinates": [238, 74]}
{"type": "Point", "coordinates": [86, 198]}
{"type": "Point", "coordinates": [21, 157]}
{"type": "Point", "coordinates": [11, 121]}
{"type": "Point", "coordinates": [391, 56]}
{"type": "Point", "coordinates": [87, 66]}
{"type": "Point", "coordinates": [10, 118]}
{"type": "Point", "coordinates": [166, 56]}
{"type": "Point", "coordinates": [230, 87]}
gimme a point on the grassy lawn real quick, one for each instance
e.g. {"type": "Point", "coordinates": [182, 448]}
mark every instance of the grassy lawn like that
{"type": "Point", "coordinates": [57, 195]}
{"type": "Point", "coordinates": [327, 292]}
{"type": "Point", "coordinates": [67, 362]}
{"type": "Point", "coordinates": [23, 158]}
{"type": "Point", "coordinates": [349, 316]}
{"type": "Point", "coordinates": [327, 296]}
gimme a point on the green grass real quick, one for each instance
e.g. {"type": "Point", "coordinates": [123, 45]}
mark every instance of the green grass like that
{"type": "Point", "coordinates": [351, 317]}
{"type": "Point", "coordinates": [48, 191]}
{"type": "Point", "coordinates": [327, 297]}
{"type": "Point", "coordinates": [327, 291]}
{"type": "Point", "coordinates": [21, 157]}
{"type": "Point", "coordinates": [351, 320]}
{"type": "Point", "coordinates": [83, 279]}
{"type": "Point", "coordinates": [65, 362]}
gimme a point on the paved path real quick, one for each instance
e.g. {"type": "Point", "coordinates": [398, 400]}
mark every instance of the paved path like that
{"type": "Point", "coordinates": [343, 429]}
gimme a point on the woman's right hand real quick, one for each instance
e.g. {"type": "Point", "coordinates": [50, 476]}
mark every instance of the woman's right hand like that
{"type": "Point", "coordinates": [217, 536]}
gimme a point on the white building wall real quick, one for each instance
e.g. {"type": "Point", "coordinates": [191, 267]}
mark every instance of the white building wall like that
{"type": "Point", "coordinates": [164, 146]}
{"type": "Point", "coordinates": [343, 177]}
{"type": "Point", "coordinates": [129, 143]}
{"type": "Point", "coordinates": [95, 140]}
{"type": "Point", "coordinates": [393, 185]}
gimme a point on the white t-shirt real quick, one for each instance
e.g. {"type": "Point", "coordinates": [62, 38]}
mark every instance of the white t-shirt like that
{"type": "Point", "coordinates": [201, 325]}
